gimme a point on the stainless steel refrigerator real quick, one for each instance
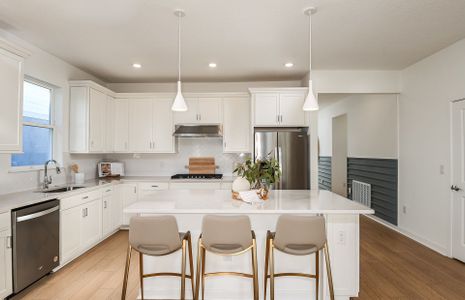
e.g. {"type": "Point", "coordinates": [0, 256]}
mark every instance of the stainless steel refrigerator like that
{"type": "Point", "coordinates": [290, 146]}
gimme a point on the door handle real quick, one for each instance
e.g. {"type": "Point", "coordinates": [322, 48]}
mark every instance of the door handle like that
{"type": "Point", "coordinates": [104, 204]}
{"type": "Point", "coordinates": [8, 242]}
{"type": "Point", "coordinates": [83, 212]}
{"type": "Point", "coordinates": [455, 188]}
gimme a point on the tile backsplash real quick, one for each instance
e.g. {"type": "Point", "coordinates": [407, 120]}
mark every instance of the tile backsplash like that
{"type": "Point", "coordinates": [169, 164]}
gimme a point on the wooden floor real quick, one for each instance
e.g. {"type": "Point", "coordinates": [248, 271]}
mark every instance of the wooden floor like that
{"type": "Point", "coordinates": [392, 267]}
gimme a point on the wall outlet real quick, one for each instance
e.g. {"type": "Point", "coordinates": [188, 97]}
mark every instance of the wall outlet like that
{"type": "Point", "coordinates": [341, 237]}
{"type": "Point", "coordinates": [404, 209]}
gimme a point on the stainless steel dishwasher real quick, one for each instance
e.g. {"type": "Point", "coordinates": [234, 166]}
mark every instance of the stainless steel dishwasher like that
{"type": "Point", "coordinates": [35, 242]}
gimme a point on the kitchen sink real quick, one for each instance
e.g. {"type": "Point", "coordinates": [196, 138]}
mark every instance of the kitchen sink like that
{"type": "Point", "coordinates": [61, 189]}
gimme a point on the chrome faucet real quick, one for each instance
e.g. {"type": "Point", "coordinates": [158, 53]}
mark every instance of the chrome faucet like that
{"type": "Point", "coordinates": [48, 179]}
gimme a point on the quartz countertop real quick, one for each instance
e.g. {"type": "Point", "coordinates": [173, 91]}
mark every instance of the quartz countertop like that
{"type": "Point", "coordinates": [221, 202]}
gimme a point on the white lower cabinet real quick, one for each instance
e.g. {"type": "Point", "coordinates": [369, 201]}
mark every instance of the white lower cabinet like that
{"type": "Point", "coordinates": [149, 189]}
{"type": "Point", "coordinates": [6, 272]}
{"type": "Point", "coordinates": [128, 191]}
{"type": "Point", "coordinates": [70, 233]}
{"type": "Point", "coordinates": [91, 223]}
{"type": "Point", "coordinates": [116, 208]}
{"type": "Point", "coordinates": [107, 212]}
{"type": "Point", "coordinates": [195, 185]}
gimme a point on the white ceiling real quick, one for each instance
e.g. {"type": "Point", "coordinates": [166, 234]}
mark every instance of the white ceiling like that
{"type": "Point", "coordinates": [248, 39]}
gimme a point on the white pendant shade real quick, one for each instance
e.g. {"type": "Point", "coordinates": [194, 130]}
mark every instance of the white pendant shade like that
{"type": "Point", "coordinates": [311, 103]}
{"type": "Point", "coordinates": [179, 104]}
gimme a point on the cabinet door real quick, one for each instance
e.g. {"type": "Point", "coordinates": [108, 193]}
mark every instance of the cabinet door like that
{"type": "Point", "coordinates": [190, 116]}
{"type": "Point", "coordinates": [129, 194]}
{"type": "Point", "coordinates": [121, 125]}
{"type": "Point", "coordinates": [210, 110]}
{"type": "Point", "coordinates": [6, 273]}
{"type": "Point", "coordinates": [70, 220]}
{"type": "Point", "coordinates": [266, 109]}
{"type": "Point", "coordinates": [91, 223]}
{"type": "Point", "coordinates": [147, 190]}
{"type": "Point", "coordinates": [236, 125]}
{"type": "Point", "coordinates": [140, 125]}
{"type": "Point", "coordinates": [290, 110]}
{"type": "Point", "coordinates": [97, 104]}
{"type": "Point", "coordinates": [11, 87]}
{"type": "Point", "coordinates": [109, 124]}
{"type": "Point", "coordinates": [116, 209]}
{"type": "Point", "coordinates": [163, 140]}
{"type": "Point", "coordinates": [107, 222]}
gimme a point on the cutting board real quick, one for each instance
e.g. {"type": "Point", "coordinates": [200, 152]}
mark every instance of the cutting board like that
{"type": "Point", "coordinates": [202, 165]}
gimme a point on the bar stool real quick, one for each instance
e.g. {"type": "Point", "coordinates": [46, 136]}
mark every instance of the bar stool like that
{"type": "Point", "coordinates": [158, 236]}
{"type": "Point", "coordinates": [298, 235]}
{"type": "Point", "coordinates": [228, 236]}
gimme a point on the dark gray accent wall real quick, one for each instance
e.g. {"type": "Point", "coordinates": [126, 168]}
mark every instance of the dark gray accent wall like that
{"type": "Point", "coordinates": [324, 173]}
{"type": "Point", "coordinates": [382, 175]}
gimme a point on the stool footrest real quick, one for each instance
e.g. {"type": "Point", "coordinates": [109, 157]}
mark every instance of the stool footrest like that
{"type": "Point", "coordinates": [228, 274]}
{"type": "Point", "coordinates": [293, 275]}
{"type": "Point", "coordinates": [165, 274]}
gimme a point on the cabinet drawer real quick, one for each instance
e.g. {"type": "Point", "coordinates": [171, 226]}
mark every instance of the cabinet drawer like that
{"type": "Point", "coordinates": [153, 186]}
{"type": "Point", "coordinates": [80, 199]}
{"type": "Point", "coordinates": [5, 221]}
{"type": "Point", "coordinates": [195, 185]}
{"type": "Point", "coordinates": [107, 190]}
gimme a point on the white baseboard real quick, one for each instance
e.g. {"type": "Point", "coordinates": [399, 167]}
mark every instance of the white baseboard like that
{"type": "Point", "coordinates": [425, 242]}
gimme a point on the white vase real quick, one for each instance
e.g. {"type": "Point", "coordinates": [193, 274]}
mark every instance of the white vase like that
{"type": "Point", "coordinates": [240, 184]}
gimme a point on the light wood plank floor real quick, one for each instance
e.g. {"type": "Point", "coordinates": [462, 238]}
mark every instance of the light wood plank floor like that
{"type": "Point", "coordinates": [392, 267]}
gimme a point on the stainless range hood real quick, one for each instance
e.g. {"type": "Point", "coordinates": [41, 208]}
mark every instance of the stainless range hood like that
{"type": "Point", "coordinates": [193, 131]}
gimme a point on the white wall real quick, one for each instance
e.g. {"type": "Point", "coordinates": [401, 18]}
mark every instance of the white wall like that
{"type": "Point", "coordinates": [427, 89]}
{"type": "Point", "coordinates": [50, 69]}
{"type": "Point", "coordinates": [371, 125]}
{"type": "Point", "coordinates": [169, 164]}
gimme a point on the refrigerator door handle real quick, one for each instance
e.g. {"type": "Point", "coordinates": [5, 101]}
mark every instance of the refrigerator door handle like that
{"type": "Point", "coordinates": [280, 159]}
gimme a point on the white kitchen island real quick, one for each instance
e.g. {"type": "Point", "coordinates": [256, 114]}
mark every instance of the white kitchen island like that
{"type": "Point", "coordinates": [189, 206]}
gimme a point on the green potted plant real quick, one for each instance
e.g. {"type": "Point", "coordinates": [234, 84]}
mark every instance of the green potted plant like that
{"type": "Point", "coordinates": [261, 174]}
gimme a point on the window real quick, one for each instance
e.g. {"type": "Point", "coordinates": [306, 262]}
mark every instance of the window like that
{"type": "Point", "coordinates": [37, 126]}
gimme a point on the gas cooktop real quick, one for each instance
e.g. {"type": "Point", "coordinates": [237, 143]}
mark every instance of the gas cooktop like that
{"type": "Point", "coordinates": [197, 176]}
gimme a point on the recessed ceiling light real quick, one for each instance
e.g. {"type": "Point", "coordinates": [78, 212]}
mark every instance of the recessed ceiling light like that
{"type": "Point", "coordinates": [212, 65]}
{"type": "Point", "coordinates": [136, 65]}
{"type": "Point", "coordinates": [288, 65]}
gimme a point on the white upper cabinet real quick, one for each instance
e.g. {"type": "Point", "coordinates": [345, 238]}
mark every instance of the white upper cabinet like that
{"type": "Point", "coordinates": [151, 126]}
{"type": "Point", "coordinates": [279, 107]}
{"type": "Point", "coordinates": [121, 125]}
{"type": "Point", "coordinates": [11, 97]}
{"type": "Point", "coordinates": [207, 110]}
{"type": "Point", "coordinates": [236, 124]}
{"type": "Point", "coordinates": [90, 112]}
{"type": "Point", "coordinates": [109, 124]}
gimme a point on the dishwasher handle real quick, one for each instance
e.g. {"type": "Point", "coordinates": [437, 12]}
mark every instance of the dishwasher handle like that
{"type": "Point", "coordinates": [37, 214]}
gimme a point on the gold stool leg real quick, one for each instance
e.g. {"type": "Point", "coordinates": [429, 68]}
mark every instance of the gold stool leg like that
{"type": "Point", "coordinates": [126, 273]}
{"type": "Point", "coordinates": [204, 258]}
{"type": "Point", "coordinates": [141, 274]}
{"type": "Point", "coordinates": [199, 262]}
{"type": "Point", "coordinates": [328, 272]}
{"type": "Point", "coordinates": [317, 274]}
{"type": "Point", "coordinates": [271, 270]}
{"type": "Point", "coordinates": [183, 270]}
{"type": "Point", "coordinates": [265, 277]}
{"type": "Point", "coordinates": [191, 263]}
{"type": "Point", "coordinates": [255, 270]}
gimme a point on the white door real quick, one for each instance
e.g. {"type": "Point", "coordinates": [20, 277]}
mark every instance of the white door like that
{"type": "Point", "coordinates": [209, 110]}
{"type": "Point", "coordinates": [140, 125]}
{"type": "Point", "coordinates": [70, 220]}
{"type": "Point", "coordinates": [117, 209]}
{"type": "Point", "coordinates": [339, 155]}
{"type": "Point", "coordinates": [11, 80]}
{"type": "Point", "coordinates": [236, 125]}
{"type": "Point", "coordinates": [5, 264]}
{"type": "Point", "coordinates": [91, 224]}
{"type": "Point", "coordinates": [107, 212]}
{"type": "Point", "coordinates": [190, 116]}
{"type": "Point", "coordinates": [97, 104]}
{"type": "Point", "coordinates": [109, 124]}
{"type": "Point", "coordinates": [458, 179]}
{"type": "Point", "coordinates": [290, 110]}
{"type": "Point", "coordinates": [266, 109]}
{"type": "Point", "coordinates": [129, 194]}
{"type": "Point", "coordinates": [163, 140]}
{"type": "Point", "coordinates": [121, 125]}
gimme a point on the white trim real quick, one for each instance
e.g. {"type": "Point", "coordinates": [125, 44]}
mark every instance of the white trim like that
{"type": "Point", "coordinates": [21, 169]}
{"type": "Point", "coordinates": [431, 245]}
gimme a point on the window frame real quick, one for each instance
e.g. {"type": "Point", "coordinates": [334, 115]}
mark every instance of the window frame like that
{"type": "Point", "coordinates": [32, 124]}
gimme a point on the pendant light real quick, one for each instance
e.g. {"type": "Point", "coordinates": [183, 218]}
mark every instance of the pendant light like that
{"type": "Point", "coordinates": [179, 104]}
{"type": "Point", "coordinates": [311, 103]}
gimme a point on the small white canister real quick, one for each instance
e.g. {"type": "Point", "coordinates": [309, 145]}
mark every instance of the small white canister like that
{"type": "Point", "coordinates": [79, 178]}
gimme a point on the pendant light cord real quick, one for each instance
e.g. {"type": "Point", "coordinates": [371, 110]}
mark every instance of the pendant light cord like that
{"type": "Point", "coordinates": [179, 47]}
{"type": "Point", "coordinates": [310, 45]}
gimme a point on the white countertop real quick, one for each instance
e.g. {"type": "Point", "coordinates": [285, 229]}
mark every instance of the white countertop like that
{"type": "Point", "coordinates": [221, 202]}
